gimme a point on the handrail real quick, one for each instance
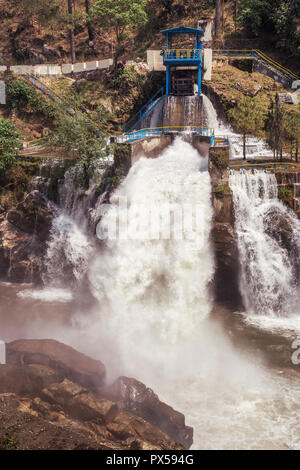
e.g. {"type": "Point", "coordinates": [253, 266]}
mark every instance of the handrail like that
{"type": "Point", "coordinates": [259, 55]}
{"type": "Point", "coordinates": [158, 131]}
{"type": "Point", "coordinates": [268, 59]}
{"type": "Point", "coordinates": [187, 53]}
{"type": "Point", "coordinates": [65, 102]}
{"type": "Point", "coordinates": [158, 95]}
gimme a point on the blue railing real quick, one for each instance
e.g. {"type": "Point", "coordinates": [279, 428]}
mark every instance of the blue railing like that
{"type": "Point", "coordinates": [144, 111]}
{"type": "Point", "coordinates": [182, 54]}
{"type": "Point", "coordinates": [129, 137]}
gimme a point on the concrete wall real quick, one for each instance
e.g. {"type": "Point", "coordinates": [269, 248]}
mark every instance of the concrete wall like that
{"type": "Point", "coordinates": [55, 69]}
{"type": "Point", "coordinates": [2, 352]}
{"type": "Point", "coordinates": [207, 64]}
{"type": "Point", "coordinates": [261, 68]}
{"type": "Point", "coordinates": [176, 111]}
{"type": "Point", "coordinates": [155, 61]}
{"type": "Point", "coordinates": [207, 24]}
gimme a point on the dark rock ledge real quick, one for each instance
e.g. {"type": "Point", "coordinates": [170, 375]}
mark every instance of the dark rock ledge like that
{"type": "Point", "coordinates": [53, 397]}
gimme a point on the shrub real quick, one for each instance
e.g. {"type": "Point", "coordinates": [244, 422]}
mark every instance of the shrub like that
{"type": "Point", "coordinates": [285, 194]}
{"type": "Point", "coordinates": [22, 96]}
{"type": "Point", "coordinates": [8, 442]}
{"type": "Point", "coordinates": [9, 143]}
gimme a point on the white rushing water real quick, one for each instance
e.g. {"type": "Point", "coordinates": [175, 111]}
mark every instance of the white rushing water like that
{"type": "Point", "coordinates": [68, 253]}
{"type": "Point", "coordinates": [255, 148]}
{"type": "Point", "coordinates": [160, 284]}
{"type": "Point", "coordinates": [152, 320]}
{"type": "Point", "coordinates": [152, 314]}
{"type": "Point", "coordinates": [269, 246]}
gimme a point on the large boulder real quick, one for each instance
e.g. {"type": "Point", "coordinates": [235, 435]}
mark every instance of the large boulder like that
{"type": "Point", "coordinates": [132, 395]}
{"type": "Point", "coordinates": [63, 359]}
{"type": "Point", "coordinates": [51, 397]}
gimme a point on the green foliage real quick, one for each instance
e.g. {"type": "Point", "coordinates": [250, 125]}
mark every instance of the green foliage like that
{"type": "Point", "coordinates": [274, 126]}
{"type": "Point", "coordinates": [291, 132]}
{"type": "Point", "coordinates": [80, 141]}
{"type": "Point", "coordinates": [120, 15]}
{"type": "Point", "coordinates": [167, 4]}
{"type": "Point", "coordinates": [246, 118]}
{"type": "Point", "coordinates": [253, 14]}
{"type": "Point", "coordinates": [117, 178]}
{"type": "Point", "coordinates": [9, 144]}
{"type": "Point", "coordinates": [22, 96]}
{"type": "Point", "coordinates": [126, 78]}
{"type": "Point", "coordinates": [278, 16]}
{"type": "Point", "coordinates": [285, 194]}
{"type": "Point", "coordinates": [8, 442]}
{"type": "Point", "coordinates": [221, 190]}
{"type": "Point", "coordinates": [220, 159]}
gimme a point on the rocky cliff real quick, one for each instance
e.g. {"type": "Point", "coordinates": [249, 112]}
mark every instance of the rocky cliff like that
{"type": "Point", "coordinates": [53, 397]}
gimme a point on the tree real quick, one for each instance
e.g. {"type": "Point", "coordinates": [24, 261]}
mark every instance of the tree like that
{"type": "Point", "coordinates": [71, 31]}
{"type": "Point", "coordinates": [9, 144]}
{"type": "Point", "coordinates": [253, 14]}
{"type": "Point", "coordinates": [291, 133]}
{"type": "Point", "coordinates": [274, 127]}
{"type": "Point", "coordinates": [88, 21]}
{"type": "Point", "coordinates": [120, 15]}
{"type": "Point", "coordinates": [219, 17]}
{"type": "Point", "coordinates": [246, 118]}
{"type": "Point", "coordinates": [76, 138]}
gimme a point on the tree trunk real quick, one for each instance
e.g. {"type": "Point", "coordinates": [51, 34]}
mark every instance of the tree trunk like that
{"type": "Point", "coordinates": [90, 28]}
{"type": "Point", "coordinates": [235, 14]}
{"type": "Point", "coordinates": [219, 18]}
{"type": "Point", "coordinates": [71, 31]}
{"type": "Point", "coordinates": [244, 146]}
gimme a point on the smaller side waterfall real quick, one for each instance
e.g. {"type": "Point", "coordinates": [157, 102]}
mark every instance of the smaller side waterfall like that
{"type": "Point", "coordinates": [68, 253]}
{"type": "Point", "coordinates": [269, 246]}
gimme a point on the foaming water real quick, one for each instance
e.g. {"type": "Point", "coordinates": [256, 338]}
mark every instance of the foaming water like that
{"type": "Point", "coordinates": [269, 245]}
{"type": "Point", "coordinates": [68, 253]}
{"type": "Point", "coordinates": [153, 322]}
{"type": "Point", "coordinates": [255, 148]}
{"type": "Point", "coordinates": [152, 319]}
{"type": "Point", "coordinates": [155, 291]}
{"type": "Point", "coordinates": [47, 294]}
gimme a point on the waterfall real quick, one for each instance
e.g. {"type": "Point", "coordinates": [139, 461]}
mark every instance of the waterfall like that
{"type": "Point", "coordinates": [255, 148]}
{"type": "Point", "coordinates": [210, 114]}
{"type": "Point", "coordinates": [68, 253]}
{"type": "Point", "coordinates": [155, 291]}
{"type": "Point", "coordinates": [269, 245]}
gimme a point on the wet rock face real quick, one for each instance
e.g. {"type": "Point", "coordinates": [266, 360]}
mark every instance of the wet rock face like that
{"type": "Point", "coordinates": [224, 238]}
{"type": "Point", "coordinates": [64, 359]}
{"type": "Point", "coordinates": [24, 230]}
{"type": "Point", "coordinates": [33, 215]}
{"type": "Point", "coordinates": [44, 404]}
{"type": "Point", "coordinates": [227, 264]}
{"type": "Point", "coordinates": [132, 395]}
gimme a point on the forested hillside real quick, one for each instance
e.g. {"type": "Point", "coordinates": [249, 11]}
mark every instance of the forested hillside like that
{"type": "Point", "coordinates": [69, 30]}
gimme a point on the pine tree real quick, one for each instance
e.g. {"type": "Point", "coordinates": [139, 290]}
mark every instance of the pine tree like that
{"type": "Point", "coordinates": [90, 28]}
{"type": "Point", "coordinates": [246, 118]}
{"type": "Point", "coordinates": [275, 127]}
{"type": "Point", "coordinates": [71, 31]}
